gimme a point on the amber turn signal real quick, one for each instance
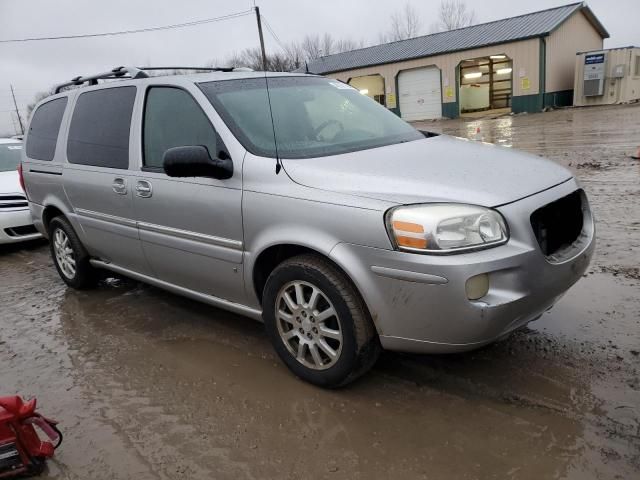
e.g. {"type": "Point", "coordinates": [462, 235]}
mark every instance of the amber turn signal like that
{"type": "Point", "coordinates": [411, 242]}
{"type": "Point", "coordinates": [407, 227]}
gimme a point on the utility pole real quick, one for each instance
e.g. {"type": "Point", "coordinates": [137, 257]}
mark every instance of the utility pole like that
{"type": "Point", "coordinates": [264, 54]}
{"type": "Point", "coordinates": [15, 104]}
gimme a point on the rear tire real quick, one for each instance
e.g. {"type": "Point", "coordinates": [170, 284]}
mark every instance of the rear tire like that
{"type": "Point", "coordinates": [318, 323]}
{"type": "Point", "coordinates": [69, 255]}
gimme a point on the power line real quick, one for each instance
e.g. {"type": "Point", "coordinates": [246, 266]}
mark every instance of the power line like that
{"type": "Point", "coordinates": [139, 30]}
{"type": "Point", "coordinates": [273, 34]}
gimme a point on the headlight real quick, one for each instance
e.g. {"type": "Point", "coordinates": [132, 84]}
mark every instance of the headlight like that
{"type": "Point", "coordinates": [441, 228]}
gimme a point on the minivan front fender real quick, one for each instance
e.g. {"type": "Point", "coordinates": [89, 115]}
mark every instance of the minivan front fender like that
{"type": "Point", "coordinates": [288, 240]}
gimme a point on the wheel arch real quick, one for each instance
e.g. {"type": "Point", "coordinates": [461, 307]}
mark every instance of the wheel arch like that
{"type": "Point", "coordinates": [53, 206]}
{"type": "Point", "coordinates": [49, 213]}
{"type": "Point", "coordinates": [272, 256]}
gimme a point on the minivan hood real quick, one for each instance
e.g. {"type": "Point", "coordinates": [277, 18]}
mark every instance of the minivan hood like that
{"type": "Point", "coordinates": [10, 182]}
{"type": "Point", "coordinates": [437, 169]}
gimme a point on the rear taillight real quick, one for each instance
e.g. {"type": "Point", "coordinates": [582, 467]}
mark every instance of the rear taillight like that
{"type": "Point", "coordinates": [21, 178]}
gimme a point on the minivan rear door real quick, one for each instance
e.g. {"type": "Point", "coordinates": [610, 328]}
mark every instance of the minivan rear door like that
{"type": "Point", "coordinates": [97, 177]}
{"type": "Point", "coordinates": [190, 228]}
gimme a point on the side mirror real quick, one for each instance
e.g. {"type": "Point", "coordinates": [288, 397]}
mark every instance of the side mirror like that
{"type": "Point", "coordinates": [429, 134]}
{"type": "Point", "coordinates": [195, 161]}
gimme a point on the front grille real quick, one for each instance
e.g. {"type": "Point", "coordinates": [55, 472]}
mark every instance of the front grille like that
{"type": "Point", "coordinates": [21, 231]}
{"type": "Point", "coordinates": [13, 201]}
{"type": "Point", "coordinates": [558, 224]}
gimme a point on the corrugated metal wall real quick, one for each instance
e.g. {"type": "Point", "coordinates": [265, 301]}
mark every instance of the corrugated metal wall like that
{"type": "Point", "coordinates": [525, 55]}
{"type": "Point", "coordinates": [575, 35]}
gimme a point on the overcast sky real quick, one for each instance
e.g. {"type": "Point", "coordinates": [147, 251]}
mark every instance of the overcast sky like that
{"type": "Point", "coordinates": [35, 66]}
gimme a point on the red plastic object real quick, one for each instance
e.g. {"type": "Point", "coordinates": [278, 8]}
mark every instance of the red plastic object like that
{"type": "Point", "coordinates": [22, 451]}
{"type": "Point", "coordinates": [21, 179]}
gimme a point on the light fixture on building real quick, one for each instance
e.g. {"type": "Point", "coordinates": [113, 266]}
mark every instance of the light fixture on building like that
{"type": "Point", "coordinates": [504, 71]}
{"type": "Point", "coordinates": [473, 75]}
{"type": "Point", "coordinates": [498, 57]}
{"type": "Point", "coordinates": [364, 91]}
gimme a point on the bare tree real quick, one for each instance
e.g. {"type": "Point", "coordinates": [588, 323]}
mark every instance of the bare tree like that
{"type": "Point", "coordinates": [383, 37]}
{"type": "Point", "coordinates": [282, 62]}
{"type": "Point", "coordinates": [294, 54]}
{"type": "Point", "coordinates": [315, 46]}
{"type": "Point", "coordinates": [453, 14]}
{"type": "Point", "coordinates": [249, 57]}
{"type": "Point", "coordinates": [286, 61]}
{"type": "Point", "coordinates": [404, 24]}
{"type": "Point", "coordinates": [328, 44]}
{"type": "Point", "coordinates": [311, 46]}
{"type": "Point", "coordinates": [346, 44]}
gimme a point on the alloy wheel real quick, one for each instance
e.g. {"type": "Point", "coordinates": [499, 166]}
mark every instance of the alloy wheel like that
{"type": "Point", "coordinates": [309, 325]}
{"type": "Point", "coordinates": [65, 256]}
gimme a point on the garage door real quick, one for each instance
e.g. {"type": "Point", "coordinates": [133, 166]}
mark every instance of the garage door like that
{"type": "Point", "coordinates": [420, 94]}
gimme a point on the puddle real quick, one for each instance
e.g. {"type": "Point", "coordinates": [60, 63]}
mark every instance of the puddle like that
{"type": "Point", "coordinates": [150, 385]}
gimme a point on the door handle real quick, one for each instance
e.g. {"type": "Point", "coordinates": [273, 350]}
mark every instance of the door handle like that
{"type": "Point", "coordinates": [144, 189]}
{"type": "Point", "coordinates": [119, 186]}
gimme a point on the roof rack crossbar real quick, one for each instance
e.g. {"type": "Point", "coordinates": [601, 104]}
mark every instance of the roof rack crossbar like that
{"type": "Point", "coordinates": [118, 72]}
{"type": "Point", "coordinates": [207, 69]}
{"type": "Point", "coordinates": [129, 73]}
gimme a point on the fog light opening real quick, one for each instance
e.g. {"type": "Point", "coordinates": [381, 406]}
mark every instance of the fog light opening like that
{"type": "Point", "coordinates": [477, 286]}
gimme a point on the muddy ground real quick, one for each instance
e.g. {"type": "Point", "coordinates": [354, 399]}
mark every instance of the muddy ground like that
{"type": "Point", "coordinates": [150, 385]}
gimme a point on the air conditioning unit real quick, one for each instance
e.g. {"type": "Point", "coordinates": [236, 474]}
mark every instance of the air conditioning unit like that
{"type": "Point", "coordinates": [594, 74]}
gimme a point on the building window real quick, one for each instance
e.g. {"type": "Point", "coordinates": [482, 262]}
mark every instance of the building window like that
{"type": "Point", "coordinates": [637, 73]}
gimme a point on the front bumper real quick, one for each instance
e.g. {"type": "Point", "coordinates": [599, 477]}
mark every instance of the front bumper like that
{"type": "Point", "coordinates": [419, 303]}
{"type": "Point", "coordinates": [10, 223]}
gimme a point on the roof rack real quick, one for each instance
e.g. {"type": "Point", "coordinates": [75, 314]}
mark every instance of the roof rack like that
{"type": "Point", "coordinates": [124, 73]}
{"type": "Point", "coordinates": [202, 69]}
{"type": "Point", "coordinates": [118, 72]}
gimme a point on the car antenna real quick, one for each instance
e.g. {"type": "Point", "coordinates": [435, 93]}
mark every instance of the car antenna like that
{"type": "Point", "coordinates": [273, 126]}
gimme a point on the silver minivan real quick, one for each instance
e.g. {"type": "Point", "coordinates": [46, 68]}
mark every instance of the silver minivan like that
{"type": "Point", "coordinates": [295, 200]}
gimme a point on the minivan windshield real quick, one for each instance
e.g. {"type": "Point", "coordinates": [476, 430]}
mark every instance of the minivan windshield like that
{"type": "Point", "coordinates": [9, 156]}
{"type": "Point", "coordinates": [312, 116]}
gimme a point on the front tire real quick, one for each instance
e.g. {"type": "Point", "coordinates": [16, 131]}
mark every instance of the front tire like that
{"type": "Point", "coordinates": [318, 323]}
{"type": "Point", "coordinates": [69, 255]}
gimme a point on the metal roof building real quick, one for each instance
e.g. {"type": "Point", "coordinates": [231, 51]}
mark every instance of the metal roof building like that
{"type": "Point", "coordinates": [522, 63]}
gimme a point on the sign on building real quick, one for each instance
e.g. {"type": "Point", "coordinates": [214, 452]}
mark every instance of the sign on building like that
{"type": "Point", "coordinates": [594, 74]}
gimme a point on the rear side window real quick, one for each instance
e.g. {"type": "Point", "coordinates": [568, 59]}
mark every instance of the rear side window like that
{"type": "Point", "coordinates": [172, 118]}
{"type": "Point", "coordinates": [99, 131]}
{"type": "Point", "coordinates": [44, 128]}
